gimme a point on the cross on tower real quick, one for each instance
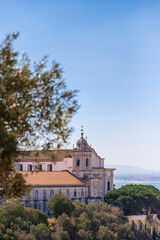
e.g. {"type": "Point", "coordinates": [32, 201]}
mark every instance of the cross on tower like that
{"type": "Point", "coordinates": [82, 131]}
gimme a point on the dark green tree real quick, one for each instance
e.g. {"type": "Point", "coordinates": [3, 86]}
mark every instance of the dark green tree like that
{"type": "Point", "coordinates": [42, 232]}
{"type": "Point", "coordinates": [60, 234]}
{"type": "Point", "coordinates": [105, 234]}
{"type": "Point", "coordinates": [79, 209]}
{"type": "Point", "coordinates": [83, 235]}
{"type": "Point", "coordinates": [66, 224]}
{"type": "Point", "coordinates": [134, 198]}
{"type": "Point", "coordinates": [36, 216]}
{"type": "Point", "coordinates": [35, 110]}
{"type": "Point", "coordinates": [13, 210]}
{"type": "Point", "coordinates": [59, 204]}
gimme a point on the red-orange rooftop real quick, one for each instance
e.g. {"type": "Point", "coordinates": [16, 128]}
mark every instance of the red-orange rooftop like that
{"type": "Point", "coordinates": [51, 178]}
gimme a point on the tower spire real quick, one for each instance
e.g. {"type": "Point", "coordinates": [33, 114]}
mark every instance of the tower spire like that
{"type": "Point", "coordinates": [82, 131]}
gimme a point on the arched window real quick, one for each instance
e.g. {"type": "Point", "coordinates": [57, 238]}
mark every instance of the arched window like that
{"type": "Point", "coordinates": [44, 195]}
{"type": "Point", "coordinates": [67, 193]}
{"type": "Point", "coordinates": [36, 195]}
{"type": "Point", "coordinates": [75, 193]}
{"type": "Point", "coordinates": [29, 167]}
{"type": "Point", "coordinates": [39, 205]}
{"type": "Point", "coordinates": [52, 193]}
{"type": "Point", "coordinates": [82, 193]}
{"type": "Point", "coordinates": [78, 162]}
{"type": "Point", "coordinates": [108, 186]}
{"type": "Point", "coordinates": [20, 167]}
{"type": "Point", "coordinates": [87, 162]}
{"type": "Point", "coordinates": [49, 168]}
{"type": "Point", "coordinates": [35, 205]}
{"type": "Point", "coordinates": [44, 206]}
{"type": "Point", "coordinates": [28, 199]}
{"type": "Point", "coordinates": [44, 201]}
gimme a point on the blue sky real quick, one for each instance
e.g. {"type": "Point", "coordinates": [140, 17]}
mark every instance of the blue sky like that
{"type": "Point", "coordinates": [110, 51]}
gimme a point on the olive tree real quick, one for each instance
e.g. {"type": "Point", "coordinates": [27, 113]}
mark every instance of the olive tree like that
{"type": "Point", "coordinates": [35, 110]}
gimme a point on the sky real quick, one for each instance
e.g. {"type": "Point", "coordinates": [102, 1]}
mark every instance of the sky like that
{"type": "Point", "coordinates": [110, 51]}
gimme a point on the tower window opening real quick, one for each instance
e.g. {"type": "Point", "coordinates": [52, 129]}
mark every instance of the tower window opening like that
{"type": "Point", "coordinates": [87, 162]}
{"type": "Point", "coordinates": [108, 186]}
{"type": "Point", "coordinates": [78, 162]}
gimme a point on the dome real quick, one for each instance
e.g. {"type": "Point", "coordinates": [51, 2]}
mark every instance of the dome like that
{"type": "Point", "coordinates": [82, 145]}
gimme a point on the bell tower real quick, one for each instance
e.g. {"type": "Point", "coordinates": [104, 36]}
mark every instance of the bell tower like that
{"type": "Point", "coordinates": [82, 158]}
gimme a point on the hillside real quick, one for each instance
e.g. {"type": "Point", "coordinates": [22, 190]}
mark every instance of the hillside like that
{"type": "Point", "coordinates": [125, 172]}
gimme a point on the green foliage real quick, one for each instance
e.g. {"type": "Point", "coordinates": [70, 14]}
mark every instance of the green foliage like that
{"type": "Point", "coordinates": [66, 224]}
{"type": "Point", "coordinates": [124, 232]}
{"type": "Point", "coordinates": [134, 198]}
{"type": "Point", "coordinates": [100, 221]}
{"type": "Point", "coordinates": [79, 209]}
{"type": "Point", "coordinates": [60, 234]}
{"type": "Point", "coordinates": [3, 217]}
{"type": "Point", "coordinates": [36, 216]}
{"type": "Point", "coordinates": [42, 231]}
{"type": "Point", "coordinates": [105, 234]}
{"type": "Point", "coordinates": [84, 222]}
{"type": "Point", "coordinates": [22, 235]}
{"type": "Point", "coordinates": [10, 233]}
{"type": "Point", "coordinates": [59, 204]}
{"type": "Point", "coordinates": [13, 210]}
{"type": "Point", "coordinates": [141, 235]}
{"type": "Point", "coordinates": [35, 110]}
{"type": "Point", "coordinates": [83, 235]}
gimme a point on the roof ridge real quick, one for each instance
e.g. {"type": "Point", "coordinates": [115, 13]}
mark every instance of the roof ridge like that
{"type": "Point", "coordinates": [74, 175]}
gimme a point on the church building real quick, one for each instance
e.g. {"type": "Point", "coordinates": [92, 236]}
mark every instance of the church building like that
{"type": "Point", "coordinates": [78, 173]}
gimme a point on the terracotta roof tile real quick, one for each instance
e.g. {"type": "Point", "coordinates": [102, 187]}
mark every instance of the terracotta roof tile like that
{"type": "Point", "coordinates": [51, 178]}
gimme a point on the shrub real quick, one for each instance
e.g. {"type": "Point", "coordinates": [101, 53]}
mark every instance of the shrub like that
{"type": "Point", "coordinates": [59, 204]}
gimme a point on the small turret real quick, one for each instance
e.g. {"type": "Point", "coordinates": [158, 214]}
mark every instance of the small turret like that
{"type": "Point", "coordinates": [81, 157]}
{"type": "Point", "coordinates": [82, 145]}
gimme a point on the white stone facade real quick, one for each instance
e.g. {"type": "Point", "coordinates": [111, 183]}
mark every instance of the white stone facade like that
{"type": "Point", "coordinates": [39, 195]}
{"type": "Point", "coordinates": [83, 162]}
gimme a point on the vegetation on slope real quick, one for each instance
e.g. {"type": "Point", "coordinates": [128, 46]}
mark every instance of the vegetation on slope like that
{"type": "Point", "coordinates": [97, 221]}
{"type": "Point", "coordinates": [133, 199]}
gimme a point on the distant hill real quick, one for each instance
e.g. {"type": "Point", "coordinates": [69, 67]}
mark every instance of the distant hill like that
{"type": "Point", "coordinates": [134, 173]}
